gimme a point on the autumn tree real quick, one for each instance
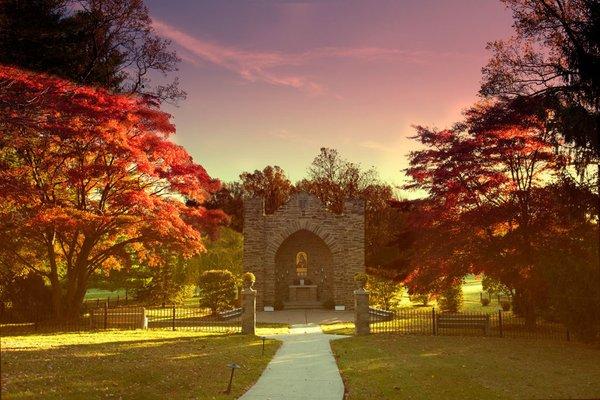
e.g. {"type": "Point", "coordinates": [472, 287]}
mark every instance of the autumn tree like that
{"type": "Point", "coordinates": [553, 55]}
{"type": "Point", "coordinates": [554, 58]}
{"type": "Point", "coordinates": [334, 180]}
{"type": "Point", "coordinates": [481, 215]}
{"type": "Point", "coordinates": [230, 199]}
{"type": "Point", "coordinates": [89, 179]}
{"type": "Point", "coordinates": [107, 43]}
{"type": "Point", "coordinates": [567, 256]}
{"type": "Point", "coordinates": [271, 184]}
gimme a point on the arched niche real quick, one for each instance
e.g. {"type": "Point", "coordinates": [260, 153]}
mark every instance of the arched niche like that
{"type": "Point", "coordinates": [303, 247]}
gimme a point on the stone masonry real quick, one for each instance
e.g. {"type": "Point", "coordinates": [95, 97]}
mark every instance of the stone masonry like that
{"type": "Point", "coordinates": [303, 220]}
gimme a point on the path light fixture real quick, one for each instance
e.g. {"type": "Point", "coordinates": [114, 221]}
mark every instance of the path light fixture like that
{"type": "Point", "coordinates": [263, 338]}
{"type": "Point", "coordinates": [233, 367]}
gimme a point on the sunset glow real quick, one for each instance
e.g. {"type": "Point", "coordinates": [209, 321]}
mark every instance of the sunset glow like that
{"type": "Point", "coordinates": [272, 82]}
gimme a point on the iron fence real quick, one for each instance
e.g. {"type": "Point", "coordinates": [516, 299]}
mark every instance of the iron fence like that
{"type": "Point", "coordinates": [108, 316]}
{"type": "Point", "coordinates": [432, 322]}
{"type": "Point", "coordinates": [109, 302]}
{"type": "Point", "coordinates": [194, 318]}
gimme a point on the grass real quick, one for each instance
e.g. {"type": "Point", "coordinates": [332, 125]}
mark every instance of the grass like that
{"type": "Point", "coordinates": [93, 294]}
{"type": "Point", "coordinates": [271, 328]}
{"type": "Point", "coordinates": [471, 289]}
{"type": "Point", "coordinates": [426, 367]}
{"type": "Point", "coordinates": [151, 364]}
{"type": "Point", "coordinates": [338, 328]}
{"type": "Point", "coordinates": [471, 303]}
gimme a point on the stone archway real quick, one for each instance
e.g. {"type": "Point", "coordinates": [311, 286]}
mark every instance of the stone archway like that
{"type": "Point", "coordinates": [312, 283]}
{"type": "Point", "coordinates": [285, 231]}
{"type": "Point", "coordinates": [341, 234]}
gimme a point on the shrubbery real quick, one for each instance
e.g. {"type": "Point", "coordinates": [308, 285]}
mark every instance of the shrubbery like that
{"type": "Point", "coordinates": [174, 293]}
{"type": "Point", "coordinates": [420, 298]}
{"type": "Point", "coordinates": [361, 279]}
{"type": "Point", "coordinates": [24, 298]}
{"type": "Point", "coordinates": [217, 290]}
{"type": "Point", "coordinates": [384, 293]}
{"type": "Point", "coordinates": [572, 267]}
{"type": "Point", "coordinates": [451, 299]}
{"type": "Point", "coordinates": [170, 283]}
{"type": "Point", "coordinates": [493, 286]}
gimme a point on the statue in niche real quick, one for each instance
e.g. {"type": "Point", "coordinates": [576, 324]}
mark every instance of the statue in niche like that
{"type": "Point", "coordinates": [301, 264]}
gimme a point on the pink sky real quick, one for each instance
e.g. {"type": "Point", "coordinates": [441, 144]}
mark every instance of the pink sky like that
{"type": "Point", "coordinates": [272, 82]}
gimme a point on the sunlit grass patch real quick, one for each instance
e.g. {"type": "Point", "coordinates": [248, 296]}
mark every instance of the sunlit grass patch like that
{"type": "Point", "coordinates": [271, 328]}
{"type": "Point", "coordinates": [338, 328]}
{"type": "Point", "coordinates": [130, 365]}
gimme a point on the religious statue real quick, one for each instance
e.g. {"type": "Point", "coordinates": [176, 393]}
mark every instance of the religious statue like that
{"type": "Point", "coordinates": [301, 264]}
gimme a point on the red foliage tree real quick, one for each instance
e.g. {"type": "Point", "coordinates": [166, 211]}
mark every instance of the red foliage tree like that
{"type": "Point", "coordinates": [482, 214]}
{"type": "Point", "coordinates": [89, 179]}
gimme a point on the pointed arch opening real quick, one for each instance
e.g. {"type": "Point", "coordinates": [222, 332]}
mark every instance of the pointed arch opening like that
{"type": "Point", "coordinates": [303, 268]}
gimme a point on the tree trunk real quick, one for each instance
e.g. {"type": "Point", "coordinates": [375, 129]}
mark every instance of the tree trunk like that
{"type": "Point", "coordinates": [70, 290]}
{"type": "Point", "coordinates": [75, 303]}
{"type": "Point", "coordinates": [77, 279]}
{"type": "Point", "coordinates": [56, 290]}
{"type": "Point", "coordinates": [55, 284]}
{"type": "Point", "coordinates": [523, 305]}
{"type": "Point", "coordinates": [77, 285]}
{"type": "Point", "coordinates": [597, 333]}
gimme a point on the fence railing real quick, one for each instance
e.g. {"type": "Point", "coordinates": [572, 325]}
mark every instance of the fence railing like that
{"type": "Point", "coordinates": [110, 302]}
{"type": "Point", "coordinates": [432, 322]}
{"type": "Point", "coordinates": [192, 318]}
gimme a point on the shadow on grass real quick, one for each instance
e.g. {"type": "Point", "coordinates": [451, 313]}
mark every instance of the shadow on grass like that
{"type": "Point", "coordinates": [396, 366]}
{"type": "Point", "coordinates": [157, 368]}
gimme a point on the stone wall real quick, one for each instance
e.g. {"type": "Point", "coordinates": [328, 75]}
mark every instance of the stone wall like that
{"type": "Point", "coordinates": [343, 234]}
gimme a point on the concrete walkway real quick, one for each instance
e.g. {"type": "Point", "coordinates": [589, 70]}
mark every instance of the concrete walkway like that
{"type": "Point", "coordinates": [303, 368]}
{"type": "Point", "coordinates": [315, 316]}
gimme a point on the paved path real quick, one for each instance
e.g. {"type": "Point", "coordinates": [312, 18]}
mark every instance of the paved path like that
{"type": "Point", "coordinates": [303, 368]}
{"type": "Point", "coordinates": [314, 316]}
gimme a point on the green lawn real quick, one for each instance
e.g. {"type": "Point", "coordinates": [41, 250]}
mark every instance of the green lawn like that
{"type": "Point", "coordinates": [139, 364]}
{"type": "Point", "coordinates": [271, 328]}
{"type": "Point", "coordinates": [428, 367]}
{"type": "Point", "coordinates": [471, 289]}
{"type": "Point", "coordinates": [93, 294]}
{"type": "Point", "coordinates": [338, 328]}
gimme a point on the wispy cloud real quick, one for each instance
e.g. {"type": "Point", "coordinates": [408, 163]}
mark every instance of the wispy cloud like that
{"type": "Point", "coordinates": [260, 66]}
{"type": "Point", "coordinates": [373, 145]}
{"type": "Point", "coordinates": [287, 136]}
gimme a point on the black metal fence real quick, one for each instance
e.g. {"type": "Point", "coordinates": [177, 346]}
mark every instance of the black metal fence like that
{"type": "Point", "coordinates": [432, 322]}
{"type": "Point", "coordinates": [194, 318]}
{"type": "Point", "coordinates": [111, 316]}
{"type": "Point", "coordinates": [110, 302]}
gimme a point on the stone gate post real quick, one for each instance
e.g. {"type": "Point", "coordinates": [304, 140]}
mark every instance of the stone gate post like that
{"type": "Point", "coordinates": [361, 312]}
{"type": "Point", "coordinates": [248, 311]}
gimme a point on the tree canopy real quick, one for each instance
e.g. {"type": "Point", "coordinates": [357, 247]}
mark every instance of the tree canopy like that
{"type": "Point", "coordinates": [88, 179]}
{"type": "Point", "coordinates": [107, 43]}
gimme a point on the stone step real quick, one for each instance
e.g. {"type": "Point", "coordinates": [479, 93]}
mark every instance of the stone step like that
{"type": "Point", "coordinates": [300, 305]}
